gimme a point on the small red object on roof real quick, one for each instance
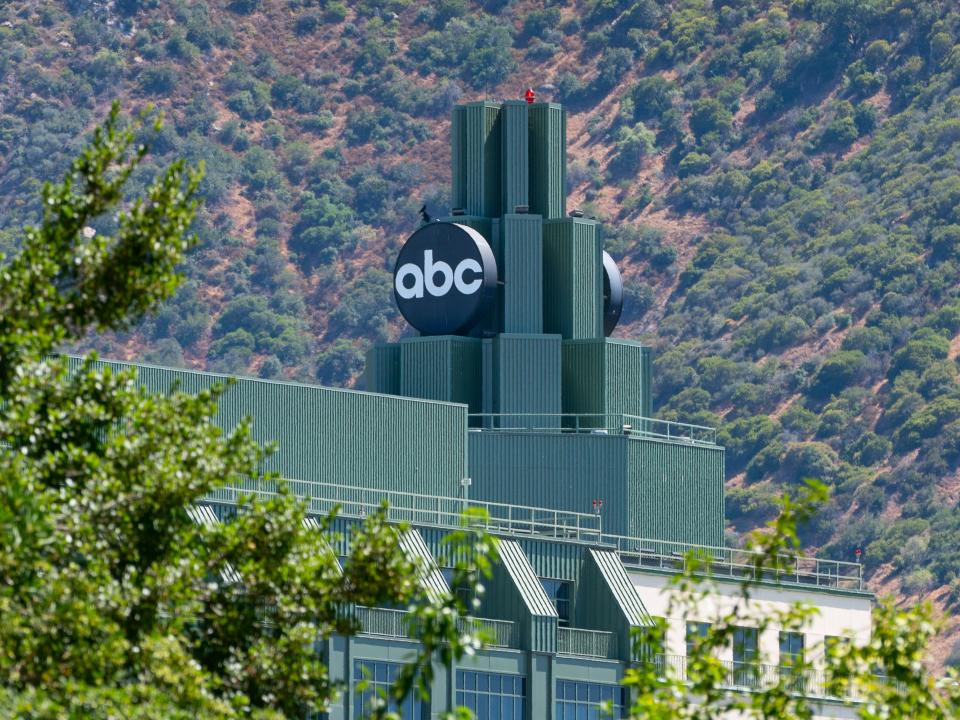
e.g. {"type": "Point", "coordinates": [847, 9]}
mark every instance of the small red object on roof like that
{"type": "Point", "coordinates": [529, 95]}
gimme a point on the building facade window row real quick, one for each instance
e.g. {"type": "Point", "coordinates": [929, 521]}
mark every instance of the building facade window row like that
{"type": "Point", "coordinates": [491, 696]}
{"type": "Point", "coordinates": [590, 701]}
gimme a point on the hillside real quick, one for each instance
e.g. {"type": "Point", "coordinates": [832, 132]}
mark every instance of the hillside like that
{"type": "Point", "coordinates": [779, 183]}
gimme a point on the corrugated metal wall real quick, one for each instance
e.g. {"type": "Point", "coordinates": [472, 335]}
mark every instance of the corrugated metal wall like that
{"type": "Point", "coordinates": [605, 600]}
{"type": "Point", "coordinates": [563, 471]}
{"type": "Point", "coordinates": [442, 367]}
{"type": "Point", "coordinates": [572, 278]}
{"type": "Point", "coordinates": [382, 371]}
{"type": "Point", "coordinates": [583, 379]}
{"type": "Point", "coordinates": [527, 370]}
{"type": "Point", "coordinates": [627, 377]}
{"type": "Point", "coordinates": [475, 158]}
{"type": "Point", "coordinates": [339, 436]}
{"type": "Point", "coordinates": [514, 593]}
{"type": "Point", "coordinates": [676, 492]}
{"type": "Point", "coordinates": [606, 376]}
{"type": "Point", "coordinates": [515, 155]}
{"type": "Point", "coordinates": [548, 160]}
{"type": "Point", "coordinates": [522, 273]}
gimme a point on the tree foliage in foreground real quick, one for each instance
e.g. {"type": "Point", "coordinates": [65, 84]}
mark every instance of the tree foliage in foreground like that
{"type": "Point", "coordinates": [113, 602]}
{"type": "Point", "coordinates": [885, 678]}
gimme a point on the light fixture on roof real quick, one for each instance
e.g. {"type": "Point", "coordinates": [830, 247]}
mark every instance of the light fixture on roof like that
{"type": "Point", "coordinates": [576, 212]}
{"type": "Point", "coordinates": [458, 211]}
{"type": "Point", "coordinates": [521, 209]}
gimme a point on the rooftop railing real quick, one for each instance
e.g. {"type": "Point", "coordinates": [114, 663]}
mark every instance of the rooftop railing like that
{"type": "Point", "coordinates": [429, 510]}
{"type": "Point", "coordinates": [523, 521]}
{"type": "Point", "coordinates": [586, 643]}
{"type": "Point", "coordinates": [750, 676]}
{"type": "Point", "coordinates": [633, 426]}
{"type": "Point", "coordinates": [638, 554]}
{"type": "Point", "coordinates": [389, 622]}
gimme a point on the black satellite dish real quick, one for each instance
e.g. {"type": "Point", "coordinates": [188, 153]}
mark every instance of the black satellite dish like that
{"type": "Point", "coordinates": [612, 294]}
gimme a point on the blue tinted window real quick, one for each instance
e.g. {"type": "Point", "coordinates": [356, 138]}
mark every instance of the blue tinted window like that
{"type": "Point", "coordinates": [583, 700]}
{"type": "Point", "coordinates": [379, 676]}
{"type": "Point", "coordinates": [491, 696]}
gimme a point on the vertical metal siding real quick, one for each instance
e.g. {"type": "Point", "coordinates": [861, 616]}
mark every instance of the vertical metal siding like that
{"type": "Point", "coordinates": [515, 155]}
{"type": "Point", "coordinates": [583, 378]}
{"type": "Point", "coordinates": [558, 560]}
{"type": "Point", "coordinates": [477, 163]}
{"type": "Point", "coordinates": [606, 600]}
{"type": "Point", "coordinates": [528, 378]}
{"type": "Point", "coordinates": [571, 470]}
{"type": "Point", "coordinates": [445, 368]}
{"type": "Point", "coordinates": [337, 436]}
{"type": "Point", "coordinates": [587, 265]}
{"type": "Point", "coordinates": [626, 377]}
{"type": "Point", "coordinates": [548, 160]}
{"type": "Point", "coordinates": [382, 371]}
{"type": "Point", "coordinates": [676, 492]}
{"type": "Point", "coordinates": [458, 156]}
{"type": "Point", "coordinates": [516, 594]}
{"type": "Point", "coordinates": [572, 279]}
{"type": "Point", "coordinates": [522, 274]}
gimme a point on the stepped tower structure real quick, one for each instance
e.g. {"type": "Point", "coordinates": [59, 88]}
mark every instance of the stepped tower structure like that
{"type": "Point", "coordinates": [535, 363]}
{"type": "Point", "coordinates": [512, 398]}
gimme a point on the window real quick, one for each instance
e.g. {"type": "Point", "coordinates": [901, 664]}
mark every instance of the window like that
{"type": "Point", "coordinates": [585, 701]}
{"type": "Point", "coordinates": [791, 655]}
{"type": "Point", "coordinates": [745, 657]}
{"type": "Point", "coordinates": [380, 676]}
{"type": "Point", "coordinates": [491, 696]}
{"type": "Point", "coordinates": [791, 648]}
{"type": "Point", "coordinates": [465, 593]}
{"type": "Point", "coordinates": [559, 593]}
{"type": "Point", "coordinates": [695, 631]}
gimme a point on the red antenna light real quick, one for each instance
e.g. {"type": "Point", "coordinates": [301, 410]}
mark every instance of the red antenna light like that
{"type": "Point", "coordinates": [529, 96]}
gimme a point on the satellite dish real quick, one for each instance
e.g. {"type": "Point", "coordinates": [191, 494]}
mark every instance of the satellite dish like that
{"type": "Point", "coordinates": [612, 294]}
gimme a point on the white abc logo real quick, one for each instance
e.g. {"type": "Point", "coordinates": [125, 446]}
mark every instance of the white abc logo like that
{"type": "Point", "coordinates": [449, 277]}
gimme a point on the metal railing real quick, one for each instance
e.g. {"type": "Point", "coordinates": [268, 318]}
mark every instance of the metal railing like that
{"type": "Point", "coordinates": [634, 426]}
{"type": "Point", "coordinates": [388, 622]}
{"type": "Point", "coordinates": [639, 554]}
{"type": "Point", "coordinates": [384, 622]}
{"type": "Point", "coordinates": [497, 633]}
{"type": "Point", "coordinates": [430, 510]}
{"type": "Point", "coordinates": [525, 521]}
{"type": "Point", "coordinates": [747, 676]}
{"type": "Point", "coordinates": [586, 643]}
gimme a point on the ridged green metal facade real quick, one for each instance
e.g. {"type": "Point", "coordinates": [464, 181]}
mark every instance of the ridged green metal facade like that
{"type": "Point", "coordinates": [476, 158]}
{"type": "Point", "coordinates": [572, 470]}
{"type": "Point", "coordinates": [338, 436]}
{"type": "Point", "coordinates": [548, 160]}
{"type": "Point", "coordinates": [515, 144]}
{"type": "Point", "coordinates": [606, 598]}
{"type": "Point", "coordinates": [572, 278]}
{"type": "Point", "coordinates": [525, 376]}
{"type": "Point", "coordinates": [650, 489]}
{"type": "Point", "coordinates": [381, 373]}
{"type": "Point", "coordinates": [606, 376]}
{"type": "Point", "coordinates": [445, 367]}
{"type": "Point", "coordinates": [676, 492]}
{"type": "Point", "coordinates": [522, 263]}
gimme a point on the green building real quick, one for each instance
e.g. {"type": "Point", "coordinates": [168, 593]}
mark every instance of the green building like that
{"type": "Point", "coordinates": [533, 414]}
